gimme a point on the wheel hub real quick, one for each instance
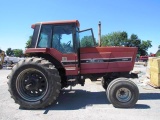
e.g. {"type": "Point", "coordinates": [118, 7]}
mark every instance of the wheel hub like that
{"type": "Point", "coordinates": [31, 84]}
{"type": "Point", "coordinates": [123, 94]}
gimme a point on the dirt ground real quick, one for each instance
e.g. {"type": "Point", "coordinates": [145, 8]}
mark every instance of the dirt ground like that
{"type": "Point", "coordinates": [87, 103]}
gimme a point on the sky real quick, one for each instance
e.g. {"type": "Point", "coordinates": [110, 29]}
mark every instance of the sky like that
{"type": "Point", "coordinates": [140, 17]}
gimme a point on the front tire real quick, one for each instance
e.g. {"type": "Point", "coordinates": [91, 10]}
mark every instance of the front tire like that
{"type": "Point", "coordinates": [34, 83]}
{"type": "Point", "coordinates": [122, 93]}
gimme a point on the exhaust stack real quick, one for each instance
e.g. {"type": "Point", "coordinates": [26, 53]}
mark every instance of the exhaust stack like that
{"type": "Point", "coordinates": [99, 33]}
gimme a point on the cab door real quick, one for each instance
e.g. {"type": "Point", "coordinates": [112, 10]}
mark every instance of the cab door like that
{"type": "Point", "coordinates": [92, 59]}
{"type": "Point", "coordinates": [63, 47]}
{"type": "Point", "coordinates": [58, 41]}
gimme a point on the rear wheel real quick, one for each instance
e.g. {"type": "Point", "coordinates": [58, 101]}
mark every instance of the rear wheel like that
{"type": "Point", "coordinates": [104, 83]}
{"type": "Point", "coordinates": [34, 83]}
{"type": "Point", "coordinates": [122, 93]}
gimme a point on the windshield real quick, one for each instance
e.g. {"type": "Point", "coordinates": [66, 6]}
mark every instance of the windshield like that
{"type": "Point", "coordinates": [45, 36]}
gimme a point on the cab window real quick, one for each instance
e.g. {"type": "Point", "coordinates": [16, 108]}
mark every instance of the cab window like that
{"type": "Point", "coordinates": [62, 38]}
{"type": "Point", "coordinates": [87, 38]}
{"type": "Point", "coordinates": [45, 36]}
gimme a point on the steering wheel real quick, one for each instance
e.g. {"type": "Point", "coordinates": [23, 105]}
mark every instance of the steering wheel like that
{"type": "Point", "coordinates": [68, 43]}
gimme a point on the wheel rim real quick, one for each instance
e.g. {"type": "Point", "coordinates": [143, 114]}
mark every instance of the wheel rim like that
{"type": "Point", "coordinates": [31, 84]}
{"type": "Point", "coordinates": [123, 95]}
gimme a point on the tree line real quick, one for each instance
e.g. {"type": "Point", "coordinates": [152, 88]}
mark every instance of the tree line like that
{"type": "Point", "coordinates": [122, 39]}
{"type": "Point", "coordinates": [14, 52]}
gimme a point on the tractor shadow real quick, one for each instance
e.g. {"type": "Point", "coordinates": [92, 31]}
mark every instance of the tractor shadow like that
{"type": "Point", "coordinates": [149, 96]}
{"type": "Point", "coordinates": [80, 99]}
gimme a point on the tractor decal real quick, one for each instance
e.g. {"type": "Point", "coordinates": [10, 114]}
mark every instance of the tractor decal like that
{"type": "Point", "coordinates": [69, 62]}
{"type": "Point", "coordinates": [98, 60]}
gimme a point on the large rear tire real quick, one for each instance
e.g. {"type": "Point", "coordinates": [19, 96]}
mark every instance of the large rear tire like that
{"type": "Point", "coordinates": [34, 83]}
{"type": "Point", "coordinates": [122, 93]}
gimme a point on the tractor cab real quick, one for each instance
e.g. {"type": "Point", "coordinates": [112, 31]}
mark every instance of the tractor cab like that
{"type": "Point", "coordinates": [61, 43]}
{"type": "Point", "coordinates": [62, 36]}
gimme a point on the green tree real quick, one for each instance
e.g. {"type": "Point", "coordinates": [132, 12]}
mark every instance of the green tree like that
{"type": "Point", "coordinates": [87, 41]}
{"type": "Point", "coordinates": [28, 43]}
{"type": "Point", "coordinates": [158, 54]}
{"type": "Point", "coordinates": [133, 41]}
{"type": "Point", "coordinates": [134, 37]}
{"type": "Point", "coordinates": [9, 52]}
{"type": "Point", "coordinates": [121, 39]}
{"type": "Point", "coordinates": [114, 39]}
{"type": "Point", "coordinates": [18, 52]}
{"type": "Point", "coordinates": [144, 47]}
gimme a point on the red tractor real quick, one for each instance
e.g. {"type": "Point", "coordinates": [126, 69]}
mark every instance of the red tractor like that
{"type": "Point", "coordinates": [61, 55]}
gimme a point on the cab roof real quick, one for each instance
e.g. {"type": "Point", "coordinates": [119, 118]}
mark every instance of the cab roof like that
{"type": "Point", "coordinates": [58, 22]}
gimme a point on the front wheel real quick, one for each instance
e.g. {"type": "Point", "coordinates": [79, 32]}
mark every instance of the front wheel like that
{"type": "Point", "coordinates": [122, 93]}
